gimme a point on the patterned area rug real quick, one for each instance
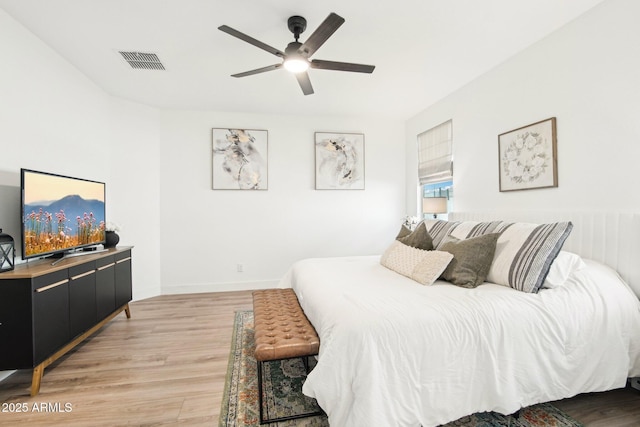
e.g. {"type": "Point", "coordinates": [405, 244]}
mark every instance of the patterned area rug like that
{"type": "Point", "coordinates": [283, 382]}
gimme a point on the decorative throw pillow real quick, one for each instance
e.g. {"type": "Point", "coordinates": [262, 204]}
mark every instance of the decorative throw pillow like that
{"type": "Point", "coordinates": [471, 259]}
{"type": "Point", "coordinates": [469, 229]}
{"type": "Point", "coordinates": [524, 253]}
{"type": "Point", "coordinates": [404, 232]}
{"type": "Point", "coordinates": [422, 266]}
{"type": "Point", "coordinates": [561, 268]}
{"type": "Point", "coordinates": [419, 238]}
{"type": "Point", "coordinates": [439, 230]}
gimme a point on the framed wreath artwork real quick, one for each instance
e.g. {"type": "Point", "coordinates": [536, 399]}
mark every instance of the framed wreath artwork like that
{"type": "Point", "coordinates": [528, 157]}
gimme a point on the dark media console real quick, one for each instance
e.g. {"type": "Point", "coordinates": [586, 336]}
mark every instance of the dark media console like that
{"type": "Point", "coordinates": [46, 310]}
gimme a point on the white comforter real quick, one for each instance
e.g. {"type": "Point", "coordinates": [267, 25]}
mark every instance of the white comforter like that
{"type": "Point", "coordinates": [396, 353]}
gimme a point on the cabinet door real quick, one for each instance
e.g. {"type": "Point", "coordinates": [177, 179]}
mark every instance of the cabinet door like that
{"type": "Point", "coordinates": [50, 314]}
{"type": "Point", "coordinates": [16, 339]}
{"type": "Point", "coordinates": [105, 287]}
{"type": "Point", "coordinates": [82, 298]}
{"type": "Point", "coordinates": [123, 278]}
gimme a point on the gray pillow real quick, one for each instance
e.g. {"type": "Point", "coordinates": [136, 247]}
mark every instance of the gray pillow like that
{"type": "Point", "coordinates": [404, 232]}
{"type": "Point", "coordinates": [419, 238]}
{"type": "Point", "coordinates": [471, 259]}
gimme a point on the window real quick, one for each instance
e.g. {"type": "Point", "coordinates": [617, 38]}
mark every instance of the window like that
{"type": "Point", "coordinates": [440, 189]}
{"type": "Point", "coordinates": [435, 162]}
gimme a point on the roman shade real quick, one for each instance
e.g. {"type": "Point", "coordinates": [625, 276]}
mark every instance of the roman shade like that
{"type": "Point", "coordinates": [435, 162]}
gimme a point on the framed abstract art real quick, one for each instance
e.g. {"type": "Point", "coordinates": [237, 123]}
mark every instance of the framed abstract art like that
{"type": "Point", "coordinates": [239, 159]}
{"type": "Point", "coordinates": [339, 161]}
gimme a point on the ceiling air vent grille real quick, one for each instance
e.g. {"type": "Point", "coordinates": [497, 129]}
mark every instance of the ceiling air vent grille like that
{"type": "Point", "coordinates": [143, 61]}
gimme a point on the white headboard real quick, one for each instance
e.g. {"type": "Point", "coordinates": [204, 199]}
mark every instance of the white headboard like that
{"type": "Point", "coordinates": [612, 238]}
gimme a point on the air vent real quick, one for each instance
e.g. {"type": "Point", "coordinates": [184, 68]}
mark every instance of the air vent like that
{"type": "Point", "coordinates": [143, 61]}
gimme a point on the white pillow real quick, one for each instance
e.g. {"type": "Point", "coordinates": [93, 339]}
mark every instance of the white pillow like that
{"type": "Point", "coordinates": [561, 268]}
{"type": "Point", "coordinates": [422, 266]}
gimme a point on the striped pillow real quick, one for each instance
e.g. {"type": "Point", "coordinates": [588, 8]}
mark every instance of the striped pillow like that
{"type": "Point", "coordinates": [439, 230]}
{"type": "Point", "coordinates": [524, 253]}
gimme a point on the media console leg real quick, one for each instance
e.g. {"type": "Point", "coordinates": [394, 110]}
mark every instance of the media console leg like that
{"type": "Point", "coordinates": [38, 371]}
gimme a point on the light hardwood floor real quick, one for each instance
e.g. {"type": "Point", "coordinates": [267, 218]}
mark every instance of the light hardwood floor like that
{"type": "Point", "coordinates": [167, 365]}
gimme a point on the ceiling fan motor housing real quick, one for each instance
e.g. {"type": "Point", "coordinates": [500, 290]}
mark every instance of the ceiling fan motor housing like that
{"type": "Point", "coordinates": [297, 25]}
{"type": "Point", "coordinates": [292, 48]}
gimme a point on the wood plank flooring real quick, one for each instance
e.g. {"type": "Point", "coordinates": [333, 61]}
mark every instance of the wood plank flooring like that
{"type": "Point", "coordinates": [167, 366]}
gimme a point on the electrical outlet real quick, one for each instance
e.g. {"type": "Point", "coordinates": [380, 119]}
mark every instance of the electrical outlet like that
{"type": "Point", "coordinates": [240, 268]}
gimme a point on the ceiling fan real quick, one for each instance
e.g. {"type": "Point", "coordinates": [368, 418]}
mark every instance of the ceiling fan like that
{"type": "Point", "coordinates": [296, 55]}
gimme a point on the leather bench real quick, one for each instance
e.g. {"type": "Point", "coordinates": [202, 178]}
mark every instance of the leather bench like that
{"type": "Point", "coordinates": [281, 331]}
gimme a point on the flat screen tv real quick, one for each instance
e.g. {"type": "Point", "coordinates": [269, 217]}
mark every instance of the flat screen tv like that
{"type": "Point", "coordinates": [60, 213]}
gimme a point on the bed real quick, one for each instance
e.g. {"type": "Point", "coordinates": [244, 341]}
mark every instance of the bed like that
{"type": "Point", "coordinates": [395, 352]}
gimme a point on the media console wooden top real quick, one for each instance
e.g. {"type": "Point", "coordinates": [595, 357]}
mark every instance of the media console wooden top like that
{"type": "Point", "coordinates": [41, 267]}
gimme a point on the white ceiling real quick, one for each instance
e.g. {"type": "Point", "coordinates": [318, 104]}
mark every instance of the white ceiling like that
{"type": "Point", "coordinates": [422, 49]}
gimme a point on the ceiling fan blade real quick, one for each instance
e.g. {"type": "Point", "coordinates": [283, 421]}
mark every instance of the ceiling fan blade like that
{"type": "Point", "coordinates": [305, 82]}
{"type": "Point", "coordinates": [258, 70]}
{"type": "Point", "coordinates": [321, 34]}
{"type": "Point", "coordinates": [341, 66]}
{"type": "Point", "coordinates": [251, 40]}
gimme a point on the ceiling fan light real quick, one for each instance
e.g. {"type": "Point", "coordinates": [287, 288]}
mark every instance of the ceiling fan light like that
{"type": "Point", "coordinates": [296, 65]}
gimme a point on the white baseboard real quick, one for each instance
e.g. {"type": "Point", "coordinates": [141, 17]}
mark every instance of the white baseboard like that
{"type": "Point", "coordinates": [219, 287]}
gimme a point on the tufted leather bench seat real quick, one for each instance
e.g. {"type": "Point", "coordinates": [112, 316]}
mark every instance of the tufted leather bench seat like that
{"type": "Point", "coordinates": [281, 331]}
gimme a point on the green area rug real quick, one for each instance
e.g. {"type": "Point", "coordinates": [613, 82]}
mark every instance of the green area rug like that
{"type": "Point", "coordinates": [283, 382]}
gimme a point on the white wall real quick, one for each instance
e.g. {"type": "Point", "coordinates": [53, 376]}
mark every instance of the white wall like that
{"type": "Point", "coordinates": [207, 233]}
{"type": "Point", "coordinates": [133, 198]}
{"type": "Point", "coordinates": [586, 75]}
{"type": "Point", "coordinates": [54, 119]}
{"type": "Point", "coordinates": [51, 116]}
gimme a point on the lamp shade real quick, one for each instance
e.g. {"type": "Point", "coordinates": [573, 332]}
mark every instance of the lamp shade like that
{"type": "Point", "coordinates": [434, 205]}
{"type": "Point", "coordinates": [7, 252]}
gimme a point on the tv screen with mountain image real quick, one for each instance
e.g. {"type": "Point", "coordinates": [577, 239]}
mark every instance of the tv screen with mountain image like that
{"type": "Point", "coordinates": [60, 213]}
